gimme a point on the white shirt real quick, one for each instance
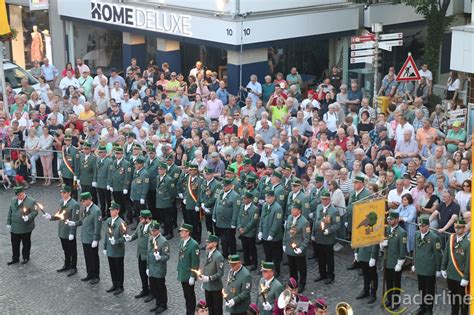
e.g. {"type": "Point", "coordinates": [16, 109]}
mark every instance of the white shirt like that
{"type": "Point", "coordinates": [226, 193]}
{"type": "Point", "coordinates": [210, 253]}
{"type": "Point", "coordinates": [145, 228]}
{"type": "Point", "coordinates": [295, 219]}
{"type": "Point", "coordinates": [77, 109]}
{"type": "Point", "coordinates": [185, 242]}
{"type": "Point", "coordinates": [113, 220]}
{"type": "Point", "coordinates": [66, 82]}
{"type": "Point", "coordinates": [66, 201]}
{"type": "Point", "coordinates": [268, 282]}
{"type": "Point", "coordinates": [246, 207]}
{"type": "Point", "coordinates": [426, 74]}
{"type": "Point", "coordinates": [424, 234]}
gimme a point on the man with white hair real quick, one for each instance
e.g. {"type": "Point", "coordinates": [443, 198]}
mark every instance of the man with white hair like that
{"type": "Point", "coordinates": [408, 148]}
{"type": "Point", "coordinates": [267, 132]}
{"type": "Point", "coordinates": [249, 110]}
{"type": "Point", "coordinates": [264, 115]}
{"type": "Point", "coordinates": [364, 107]}
{"type": "Point", "coordinates": [254, 88]}
{"type": "Point", "coordinates": [101, 87]}
{"type": "Point", "coordinates": [269, 156]}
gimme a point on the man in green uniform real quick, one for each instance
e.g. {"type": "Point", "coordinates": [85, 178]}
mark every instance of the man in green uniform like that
{"type": "Point", "coordinates": [136, 153]}
{"type": "Point", "coordinates": [188, 258]}
{"type": "Point", "coordinates": [455, 267]}
{"type": "Point", "coordinates": [226, 211]}
{"type": "Point", "coordinates": [246, 170]}
{"type": "Point", "coordinates": [270, 230]}
{"type": "Point", "coordinates": [367, 258]}
{"type": "Point", "coordinates": [86, 171]}
{"type": "Point", "coordinates": [265, 184]}
{"type": "Point", "coordinates": [295, 242]}
{"type": "Point", "coordinates": [91, 222]}
{"type": "Point", "coordinates": [192, 190]}
{"type": "Point", "coordinates": [251, 186]}
{"type": "Point", "coordinates": [211, 276]}
{"type": "Point", "coordinates": [247, 223]}
{"type": "Point", "coordinates": [396, 244]}
{"type": "Point", "coordinates": [314, 201]}
{"type": "Point", "coordinates": [68, 165]}
{"type": "Point", "coordinates": [269, 289]}
{"type": "Point", "coordinates": [120, 176]}
{"type": "Point", "coordinates": [151, 166]}
{"type": "Point", "coordinates": [158, 256]}
{"type": "Point", "coordinates": [277, 187]}
{"type": "Point", "coordinates": [69, 210]}
{"type": "Point", "coordinates": [141, 234]}
{"type": "Point", "coordinates": [164, 187]}
{"type": "Point", "coordinates": [297, 196]}
{"type": "Point", "coordinates": [427, 263]}
{"type": "Point", "coordinates": [287, 178]}
{"type": "Point", "coordinates": [208, 197]}
{"type": "Point", "coordinates": [128, 150]}
{"type": "Point", "coordinates": [174, 172]}
{"type": "Point", "coordinates": [138, 188]}
{"type": "Point", "coordinates": [103, 163]}
{"type": "Point", "coordinates": [114, 247]}
{"type": "Point", "coordinates": [238, 287]}
{"type": "Point", "coordinates": [230, 173]}
{"type": "Point", "coordinates": [20, 224]}
{"type": "Point", "coordinates": [326, 224]}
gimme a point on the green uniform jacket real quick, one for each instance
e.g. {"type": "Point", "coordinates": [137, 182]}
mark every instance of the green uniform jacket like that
{"type": "Point", "coordinates": [264, 185]}
{"type": "Point", "coordinates": [255, 194]}
{"type": "Point", "coordinates": [72, 214]}
{"type": "Point", "coordinates": [157, 268]}
{"type": "Point", "coordinates": [226, 210]}
{"type": "Point", "coordinates": [116, 231]}
{"type": "Point", "coordinates": [271, 221]}
{"type": "Point", "coordinates": [427, 251]}
{"type": "Point", "coordinates": [16, 213]}
{"type": "Point", "coordinates": [461, 254]}
{"type": "Point", "coordinates": [397, 246]}
{"type": "Point", "coordinates": [140, 185]}
{"type": "Point", "coordinates": [102, 172]}
{"type": "Point", "coordinates": [174, 172]}
{"type": "Point", "coordinates": [286, 182]}
{"type": "Point", "coordinates": [209, 193]}
{"type": "Point", "coordinates": [120, 175]}
{"type": "Point", "coordinates": [86, 170]}
{"type": "Point", "coordinates": [214, 269]}
{"type": "Point", "coordinates": [91, 222]}
{"type": "Point", "coordinates": [301, 198]}
{"type": "Point", "coordinates": [194, 189]}
{"type": "Point", "coordinates": [128, 151]}
{"type": "Point", "coordinates": [163, 192]}
{"type": "Point", "coordinates": [271, 294]}
{"type": "Point", "coordinates": [367, 252]}
{"type": "Point", "coordinates": [248, 220]}
{"type": "Point", "coordinates": [353, 198]}
{"type": "Point", "coordinates": [71, 157]}
{"type": "Point", "coordinates": [238, 288]}
{"type": "Point", "coordinates": [236, 183]}
{"type": "Point", "coordinates": [152, 169]}
{"type": "Point", "coordinates": [314, 201]}
{"type": "Point", "coordinates": [280, 195]}
{"type": "Point", "coordinates": [188, 259]}
{"type": "Point", "coordinates": [332, 223]}
{"type": "Point", "coordinates": [298, 234]}
{"type": "Point", "coordinates": [142, 235]}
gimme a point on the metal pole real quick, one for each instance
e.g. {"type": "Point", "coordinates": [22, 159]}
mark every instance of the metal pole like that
{"type": "Point", "coordinates": [377, 29]}
{"type": "Point", "coordinates": [241, 49]}
{"type": "Point", "coordinates": [3, 83]}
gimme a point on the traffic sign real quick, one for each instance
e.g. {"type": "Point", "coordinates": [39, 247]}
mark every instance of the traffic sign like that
{"type": "Point", "coordinates": [409, 71]}
{"type": "Point", "coordinates": [360, 53]}
{"type": "Point", "coordinates": [389, 44]}
{"type": "Point", "coordinates": [367, 59]}
{"type": "Point", "coordinates": [365, 45]}
{"type": "Point", "coordinates": [391, 36]}
{"type": "Point", "coordinates": [362, 38]}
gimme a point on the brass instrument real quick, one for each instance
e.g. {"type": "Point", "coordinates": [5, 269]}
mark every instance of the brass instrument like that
{"type": "Point", "coordinates": [287, 302]}
{"type": "Point", "coordinates": [343, 308]}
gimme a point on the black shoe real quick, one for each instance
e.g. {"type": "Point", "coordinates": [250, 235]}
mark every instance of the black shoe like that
{"type": "Point", "coordinates": [169, 236]}
{"type": "Point", "coordinates": [252, 268]}
{"type": "Point", "coordinates": [13, 262]}
{"type": "Point", "coordinates": [362, 295]}
{"type": "Point", "coordinates": [118, 291]}
{"type": "Point", "coordinates": [72, 272]}
{"type": "Point", "coordinates": [320, 278]}
{"type": "Point", "coordinates": [161, 309]}
{"type": "Point", "coordinates": [148, 299]}
{"type": "Point", "coordinates": [86, 278]}
{"type": "Point", "coordinates": [372, 299]}
{"type": "Point", "coordinates": [141, 294]}
{"type": "Point", "coordinates": [94, 281]}
{"type": "Point", "coordinates": [154, 309]}
{"type": "Point", "coordinates": [63, 268]}
{"type": "Point", "coordinates": [111, 289]}
{"type": "Point", "coordinates": [25, 261]}
{"type": "Point", "coordinates": [354, 265]}
{"type": "Point", "coordinates": [329, 281]}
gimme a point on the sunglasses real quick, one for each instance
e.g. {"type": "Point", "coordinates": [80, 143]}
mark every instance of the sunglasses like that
{"type": "Point", "coordinates": [398, 158]}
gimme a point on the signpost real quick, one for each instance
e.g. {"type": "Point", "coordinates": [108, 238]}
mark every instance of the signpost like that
{"type": "Point", "coordinates": [409, 71]}
{"type": "Point", "coordinates": [391, 36]}
{"type": "Point", "coordinates": [359, 53]}
{"type": "Point", "coordinates": [366, 59]}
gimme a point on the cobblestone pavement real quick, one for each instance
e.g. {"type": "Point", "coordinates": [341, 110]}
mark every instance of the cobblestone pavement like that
{"type": "Point", "coordinates": [36, 288]}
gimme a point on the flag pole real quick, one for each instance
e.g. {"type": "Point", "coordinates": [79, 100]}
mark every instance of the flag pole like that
{"type": "Point", "coordinates": [2, 75]}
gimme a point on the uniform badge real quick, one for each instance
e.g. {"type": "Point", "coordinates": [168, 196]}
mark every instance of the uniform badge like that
{"type": "Point", "coordinates": [255, 200]}
{"type": "Point", "coordinates": [338, 219]}
{"type": "Point", "coordinates": [238, 202]}
{"type": "Point", "coordinates": [147, 180]}
{"type": "Point", "coordinates": [221, 265]}
{"type": "Point", "coordinates": [306, 205]}
{"type": "Point", "coordinates": [404, 240]}
{"type": "Point", "coordinates": [99, 218]}
{"type": "Point", "coordinates": [282, 197]}
{"type": "Point", "coordinates": [129, 169]}
{"type": "Point", "coordinates": [247, 285]}
{"type": "Point", "coordinates": [438, 245]}
{"type": "Point", "coordinates": [176, 175]}
{"type": "Point", "coordinates": [122, 171]}
{"type": "Point", "coordinates": [197, 252]}
{"type": "Point", "coordinates": [308, 229]}
{"type": "Point", "coordinates": [279, 216]}
{"type": "Point", "coordinates": [172, 185]}
{"type": "Point", "coordinates": [139, 181]}
{"type": "Point", "coordinates": [255, 216]}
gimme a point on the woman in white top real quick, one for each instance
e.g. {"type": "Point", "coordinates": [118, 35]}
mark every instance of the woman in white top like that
{"type": "Point", "coordinates": [464, 196]}
{"type": "Point", "coordinates": [453, 87]}
{"type": "Point", "coordinates": [46, 155]}
{"type": "Point", "coordinates": [339, 202]}
{"type": "Point", "coordinates": [342, 97]}
{"type": "Point", "coordinates": [34, 100]}
{"type": "Point", "coordinates": [31, 147]}
{"type": "Point", "coordinates": [44, 89]}
{"type": "Point", "coordinates": [330, 118]}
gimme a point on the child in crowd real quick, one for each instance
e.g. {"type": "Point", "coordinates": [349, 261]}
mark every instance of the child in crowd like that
{"type": "Point", "coordinates": [22, 165]}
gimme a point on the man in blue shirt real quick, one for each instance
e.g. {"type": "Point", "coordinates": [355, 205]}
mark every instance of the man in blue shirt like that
{"type": "Point", "coordinates": [354, 96]}
{"type": "Point", "coordinates": [222, 93]}
{"type": "Point", "coordinates": [49, 72]}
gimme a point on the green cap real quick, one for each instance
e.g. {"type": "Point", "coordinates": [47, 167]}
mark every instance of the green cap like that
{"type": "Point", "coordinates": [248, 194]}
{"type": "Point", "coordinates": [137, 146]}
{"type": "Point", "coordinates": [296, 182]}
{"type": "Point", "coordinates": [270, 193]}
{"type": "Point", "coordinates": [268, 265]}
{"type": "Point", "coordinates": [66, 189]}
{"type": "Point", "coordinates": [114, 206]}
{"type": "Point", "coordinates": [424, 220]}
{"type": "Point", "coordinates": [325, 194]}
{"type": "Point", "coordinates": [359, 178]}
{"type": "Point", "coordinates": [162, 165]}
{"type": "Point", "coordinates": [247, 161]}
{"type": "Point", "coordinates": [460, 222]}
{"type": "Point", "coordinates": [230, 169]}
{"type": "Point", "coordinates": [170, 156]}
{"type": "Point", "coordinates": [212, 238]}
{"type": "Point", "coordinates": [67, 137]}
{"type": "Point", "coordinates": [227, 181]}
{"type": "Point", "coordinates": [102, 148]}
{"type": "Point", "coordinates": [234, 259]}
{"type": "Point", "coordinates": [150, 148]}
{"type": "Point", "coordinates": [155, 225]}
{"type": "Point", "coordinates": [140, 160]}
{"type": "Point", "coordinates": [208, 170]}
{"type": "Point", "coordinates": [251, 179]}
{"type": "Point", "coordinates": [87, 145]}
{"type": "Point", "coordinates": [277, 174]}
{"type": "Point", "coordinates": [193, 166]}
{"type": "Point", "coordinates": [393, 215]}
{"type": "Point", "coordinates": [118, 150]}
{"type": "Point", "coordinates": [271, 165]}
{"type": "Point", "coordinates": [85, 196]}
{"type": "Point", "coordinates": [286, 166]}
{"type": "Point", "coordinates": [297, 205]}
{"type": "Point", "coordinates": [187, 227]}
{"type": "Point", "coordinates": [320, 179]}
{"type": "Point", "coordinates": [145, 213]}
{"type": "Point", "coordinates": [18, 189]}
{"type": "Point", "coordinates": [131, 134]}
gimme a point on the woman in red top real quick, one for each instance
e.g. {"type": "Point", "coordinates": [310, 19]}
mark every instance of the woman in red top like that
{"type": "Point", "coordinates": [68, 67]}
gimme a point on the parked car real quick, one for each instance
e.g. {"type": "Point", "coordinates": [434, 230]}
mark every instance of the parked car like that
{"type": "Point", "coordinates": [14, 74]}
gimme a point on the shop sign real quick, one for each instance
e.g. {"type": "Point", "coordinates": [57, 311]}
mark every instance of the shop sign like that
{"type": "Point", "coordinates": [148, 19]}
{"type": "Point", "coordinates": [39, 5]}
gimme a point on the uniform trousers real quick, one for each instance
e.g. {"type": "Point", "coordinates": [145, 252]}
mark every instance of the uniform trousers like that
{"type": "Point", "coordinates": [228, 242]}
{"type": "Point", "coordinates": [214, 302]}
{"type": "Point", "coordinates": [91, 190]}
{"type": "Point", "coordinates": [142, 266]}
{"type": "Point", "coordinates": [371, 279]}
{"type": "Point", "coordinates": [393, 279]}
{"type": "Point", "coordinates": [192, 217]}
{"type": "Point", "coordinates": [116, 271]}
{"type": "Point", "coordinates": [105, 199]}
{"type": "Point", "coordinates": [158, 291]}
{"type": "Point", "coordinates": [16, 240]}
{"type": "Point", "coordinates": [426, 285]}
{"type": "Point", "coordinates": [91, 256]}
{"type": "Point", "coordinates": [151, 201]}
{"type": "Point", "coordinates": [165, 217]}
{"type": "Point", "coordinates": [273, 252]}
{"type": "Point", "coordinates": [457, 293]}
{"type": "Point", "coordinates": [123, 201]}
{"type": "Point", "coordinates": [298, 269]}
{"type": "Point", "coordinates": [209, 224]}
{"type": "Point", "coordinates": [135, 212]}
{"type": "Point", "coordinates": [189, 297]}
{"type": "Point", "coordinates": [250, 250]}
{"type": "Point", "coordinates": [70, 252]}
{"type": "Point", "coordinates": [175, 211]}
{"type": "Point", "coordinates": [325, 260]}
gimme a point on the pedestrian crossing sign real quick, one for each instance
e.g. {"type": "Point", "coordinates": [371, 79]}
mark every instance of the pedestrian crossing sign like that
{"type": "Point", "coordinates": [409, 71]}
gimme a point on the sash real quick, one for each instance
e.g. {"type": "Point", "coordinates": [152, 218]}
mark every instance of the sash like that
{"type": "Point", "coordinates": [453, 259]}
{"type": "Point", "coordinates": [68, 166]}
{"type": "Point", "coordinates": [191, 192]}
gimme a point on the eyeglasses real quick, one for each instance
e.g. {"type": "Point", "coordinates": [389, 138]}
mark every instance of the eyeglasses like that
{"type": "Point", "coordinates": [398, 157]}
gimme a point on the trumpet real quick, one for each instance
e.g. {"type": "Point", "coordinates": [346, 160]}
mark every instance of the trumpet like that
{"type": "Point", "coordinates": [343, 308]}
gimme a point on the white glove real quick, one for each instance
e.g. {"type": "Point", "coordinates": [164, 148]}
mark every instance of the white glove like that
{"type": "Point", "coordinates": [383, 244]}
{"type": "Point", "coordinates": [269, 238]}
{"type": "Point", "coordinates": [148, 272]}
{"type": "Point", "coordinates": [112, 240]}
{"type": "Point", "coordinates": [267, 306]}
{"type": "Point", "coordinates": [326, 232]}
{"type": "Point", "coordinates": [284, 248]}
{"type": "Point", "coordinates": [438, 274]}
{"type": "Point", "coordinates": [233, 227]}
{"type": "Point", "coordinates": [464, 282]}
{"type": "Point", "coordinates": [230, 303]}
{"type": "Point", "coordinates": [125, 191]}
{"type": "Point", "coordinates": [191, 281]}
{"type": "Point", "coordinates": [444, 274]}
{"type": "Point", "coordinates": [298, 251]}
{"type": "Point", "coordinates": [184, 201]}
{"type": "Point", "coordinates": [79, 186]}
{"type": "Point", "coordinates": [311, 215]}
{"type": "Point", "coordinates": [78, 182]}
{"type": "Point", "coordinates": [75, 178]}
{"type": "Point", "coordinates": [94, 184]}
{"type": "Point", "coordinates": [356, 256]}
{"type": "Point", "coordinates": [180, 196]}
{"type": "Point", "coordinates": [214, 220]}
{"type": "Point", "coordinates": [203, 205]}
{"type": "Point", "coordinates": [413, 269]}
{"type": "Point", "coordinates": [206, 210]}
{"type": "Point", "coordinates": [346, 224]}
{"type": "Point", "coordinates": [313, 238]}
{"type": "Point", "coordinates": [157, 256]}
{"type": "Point", "coordinates": [142, 201]}
{"type": "Point", "coordinates": [260, 236]}
{"type": "Point", "coordinates": [47, 216]}
{"type": "Point", "coordinates": [399, 265]}
{"type": "Point", "coordinates": [71, 237]}
{"type": "Point", "coordinates": [108, 187]}
{"type": "Point", "coordinates": [25, 218]}
{"type": "Point", "coordinates": [261, 202]}
{"type": "Point", "coordinates": [111, 189]}
{"type": "Point", "coordinates": [127, 238]}
{"type": "Point", "coordinates": [9, 228]}
{"type": "Point", "coordinates": [60, 174]}
{"type": "Point", "coordinates": [372, 262]}
{"type": "Point", "coordinates": [205, 279]}
{"type": "Point", "coordinates": [105, 252]}
{"type": "Point", "coordinates": [94, 244]}
{"type": "Point", "coordinates": [71, 223]}
{"type": "Point", "coordinates": [196, 209]}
